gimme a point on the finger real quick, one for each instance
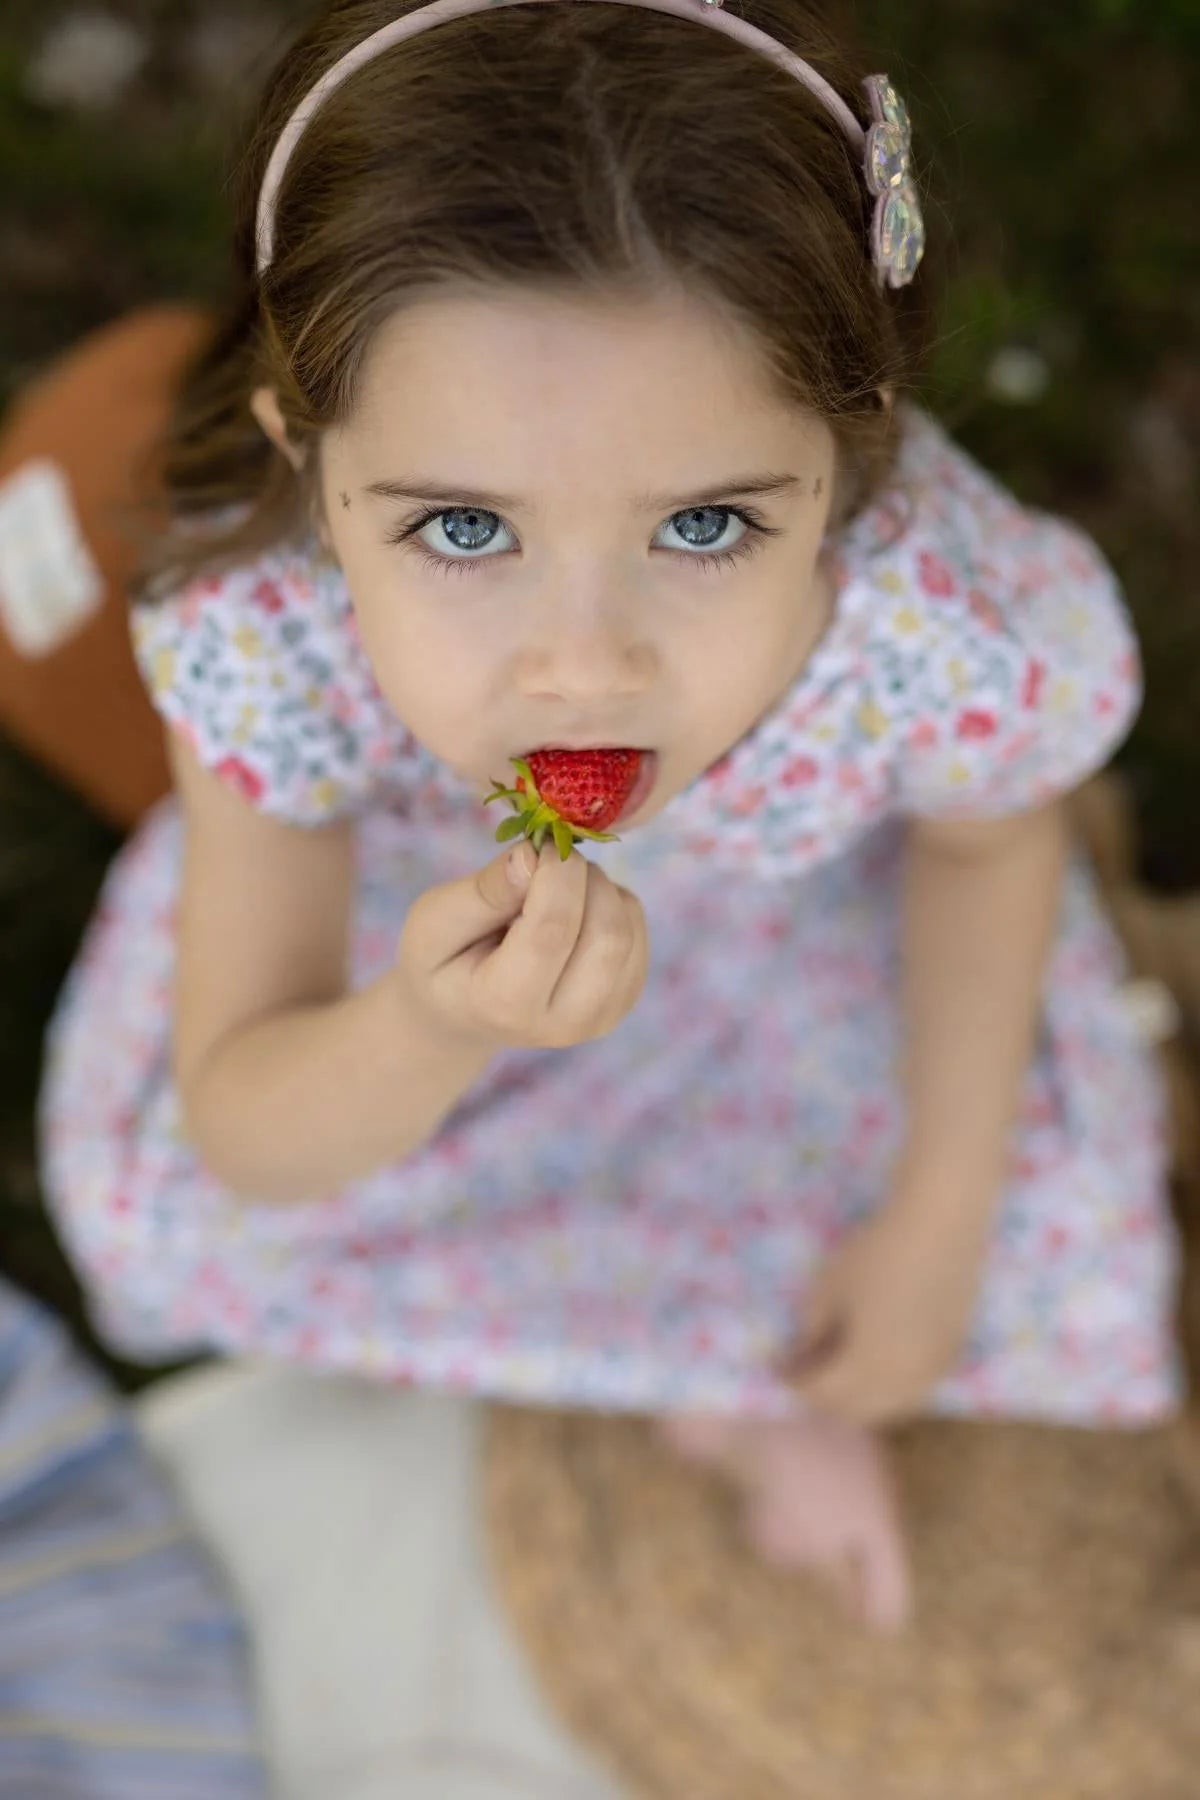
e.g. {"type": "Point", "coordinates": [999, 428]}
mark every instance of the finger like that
{"type": "Point", "coordinates": [823, 1340]}
{"type": "Point", "coordinates": [445, 921]}
{"type": "Point", "coordinates": [601, 952]}
{"type": "Point", "coordinates": [527, 967]}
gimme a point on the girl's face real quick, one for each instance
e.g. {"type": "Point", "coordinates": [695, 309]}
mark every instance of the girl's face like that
{"type": "Point", "coordinates": [541, 509]}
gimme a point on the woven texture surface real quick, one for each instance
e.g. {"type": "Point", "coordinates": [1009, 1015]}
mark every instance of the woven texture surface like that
{"type": "Point", "coordinates": [1055, 1655]}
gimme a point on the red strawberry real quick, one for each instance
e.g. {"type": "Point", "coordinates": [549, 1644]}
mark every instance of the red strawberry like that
{"type": "Point", "coordinates": [571, 794]}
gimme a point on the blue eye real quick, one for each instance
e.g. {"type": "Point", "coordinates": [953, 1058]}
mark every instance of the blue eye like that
{"type": "Point", "coordinates": [704, 526]}
{"type": "Point", "coordinates": [469, 521]}
{"type": "Point", "coordinates": [473, 521]}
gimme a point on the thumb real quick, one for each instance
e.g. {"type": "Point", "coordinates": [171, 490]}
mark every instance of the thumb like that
{"type": "Point", "coordinates": [518, 868]}
{"type": "Point", "coordinates": [502, 886]}
{"type": "Point", "coordinates": [449, 919]}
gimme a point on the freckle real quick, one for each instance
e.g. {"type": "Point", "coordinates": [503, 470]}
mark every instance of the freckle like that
{"type": "Point", "coordinates": [346, 500]}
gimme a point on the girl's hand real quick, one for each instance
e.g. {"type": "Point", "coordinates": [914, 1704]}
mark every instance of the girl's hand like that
{"type": "Point", "coordinates": [556, 959]}
{"type": "Point", "coordinates": [891, 1311]}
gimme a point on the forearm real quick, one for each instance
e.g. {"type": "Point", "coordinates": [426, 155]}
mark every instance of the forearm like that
{"type": "Point", "coordinates": [295, 1105]}
{"type": "Point", "coordinates": [980, 915]}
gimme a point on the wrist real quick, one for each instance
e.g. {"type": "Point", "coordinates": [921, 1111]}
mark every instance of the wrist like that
{"type": "Point", "coordinates": [945, 1187]}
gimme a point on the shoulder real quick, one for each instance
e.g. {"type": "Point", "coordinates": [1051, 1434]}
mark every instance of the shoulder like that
{"type": "Point", "coordinates": [240, 615]}
{"type": "Point", "coordinates": [259, 667]}
{"type": "Point", "coordinates": [994, 637]}
{"type": "Point", "coordinates": [964, 555]}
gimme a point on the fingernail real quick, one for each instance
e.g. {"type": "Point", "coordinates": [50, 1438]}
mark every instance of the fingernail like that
{"type": "Point", "coordinates": [521, 865]}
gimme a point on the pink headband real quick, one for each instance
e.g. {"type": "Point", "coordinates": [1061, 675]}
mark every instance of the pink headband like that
{"type": "Point", "coordinates": [897, 232]}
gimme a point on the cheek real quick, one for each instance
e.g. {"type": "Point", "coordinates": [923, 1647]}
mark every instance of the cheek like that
{"type": "Point", "coordinates": [736, 670]}
{"type": "Point", "coordinates": [429, 677]}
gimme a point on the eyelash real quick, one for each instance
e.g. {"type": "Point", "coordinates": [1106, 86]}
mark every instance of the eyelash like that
{"type": "Point", "coordinates": [756, 536]}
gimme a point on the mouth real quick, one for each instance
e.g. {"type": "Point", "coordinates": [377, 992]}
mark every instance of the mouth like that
{"type": "Point", "coordinates": [642, 788]}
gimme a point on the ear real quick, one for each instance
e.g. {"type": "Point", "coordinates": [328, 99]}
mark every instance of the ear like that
{"type": "Point", "coordinates": [264, 404]}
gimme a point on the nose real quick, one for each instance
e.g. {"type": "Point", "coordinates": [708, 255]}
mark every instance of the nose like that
{"type": "Point", "coordinates": [591, 657]}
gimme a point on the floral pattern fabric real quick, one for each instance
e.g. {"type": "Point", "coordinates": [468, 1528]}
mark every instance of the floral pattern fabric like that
{"type": "Point", "coordinates": [634, 1222]}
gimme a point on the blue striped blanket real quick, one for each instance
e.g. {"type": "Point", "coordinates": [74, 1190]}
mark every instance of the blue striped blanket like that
{"type": "Point", "coordinates": [124, 1667]}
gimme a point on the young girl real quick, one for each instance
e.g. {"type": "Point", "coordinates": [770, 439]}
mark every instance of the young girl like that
{"type": "Point", "coordinates": [562, 403]}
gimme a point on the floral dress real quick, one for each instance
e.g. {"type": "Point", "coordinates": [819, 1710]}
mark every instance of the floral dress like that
{"type": "Point", "coordinates": [633, 1223]}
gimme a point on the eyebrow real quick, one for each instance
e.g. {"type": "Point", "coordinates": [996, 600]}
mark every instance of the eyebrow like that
{"type": "Point", "coordinates": [421, 488]}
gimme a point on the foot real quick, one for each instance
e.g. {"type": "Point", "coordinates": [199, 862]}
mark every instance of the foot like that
{"type": "Point", "coordinates": [819, 1496]}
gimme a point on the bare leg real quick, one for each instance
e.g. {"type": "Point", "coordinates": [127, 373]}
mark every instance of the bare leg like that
{"type": "Point", "coordinates": [820, 1496]}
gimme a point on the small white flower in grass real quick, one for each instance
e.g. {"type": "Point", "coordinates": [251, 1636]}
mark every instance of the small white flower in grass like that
{"type": "Point", "coordinates": [1017, 375]}
{"type": "Point", "coordinates": [86, 62]}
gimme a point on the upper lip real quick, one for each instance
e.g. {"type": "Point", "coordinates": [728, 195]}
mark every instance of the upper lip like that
{"type": "Point", "coordinates": [600, 743]}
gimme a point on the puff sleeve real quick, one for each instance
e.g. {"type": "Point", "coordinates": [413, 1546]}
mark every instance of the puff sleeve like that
{"type": "Point", "coordinates": [1023, 672]}
{"type": "Point", "coordinates": [259, 669]}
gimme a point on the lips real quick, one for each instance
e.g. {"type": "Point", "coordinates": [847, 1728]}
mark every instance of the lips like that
{"type": "Point", "coordinates": [570, 749]}
{"type": "Point", "coordinates": [642, 787]}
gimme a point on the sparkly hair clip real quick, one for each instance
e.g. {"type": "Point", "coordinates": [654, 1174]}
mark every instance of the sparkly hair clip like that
{"type": "Point", "coordinates": [897, 232]}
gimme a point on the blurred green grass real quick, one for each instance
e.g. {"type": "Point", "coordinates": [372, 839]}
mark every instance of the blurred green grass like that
{"type": "Point", "coordinates": [1057, 155]}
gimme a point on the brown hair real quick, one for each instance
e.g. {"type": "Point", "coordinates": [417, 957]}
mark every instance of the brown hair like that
{"type": "Point", "coordinates": [563, 147]}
